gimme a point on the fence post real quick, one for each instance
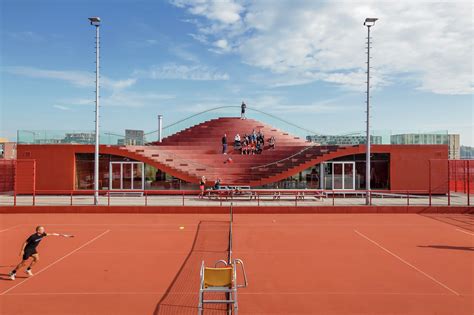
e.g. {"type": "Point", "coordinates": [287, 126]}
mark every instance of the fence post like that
{"type": "Point", "coordinates": [34, 197]}
{"type": "Point", "coordinates": [71, 199]}
{"type": "Point", "coordinates": [258, 200]}
{"type": "Point", "coordinates": [455, 176]}
{"type": "Point", "coordinates": [14, 181]}
{"type": "Point", "coordinates": [429, 181]}
{"type": "Point", "coordinates": [468, 184]}
{"type": "Point", "coordinates": [108, 198]}
{"type": "Point", "coordinates": [408, 198]}
{"type": "Point", "coordinates": [333, 197]}
{"type": "Point", "coordinates": [183, 198]}
{"type": "Point", "coordinates": [296, 199]}
{"type": "Point", "coordinates": [465, 179]}
{"type": "Point", "coordinates": [146, 199]}
{"type": "Point", "coordinates": [449, 182]}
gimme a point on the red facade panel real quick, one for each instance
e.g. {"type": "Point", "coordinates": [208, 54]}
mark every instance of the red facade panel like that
{"type": "Point", "coordinates": [410, 165]}
{"type": "Point", "coordinates": [25, 176]}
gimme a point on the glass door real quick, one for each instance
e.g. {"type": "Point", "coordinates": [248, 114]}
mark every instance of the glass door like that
{"type": "Point", "coordinates": [349, 175]}
{"type": "Point", "coordinates": [339, 175]}
{"type": "Point", "coordinates": [127, 176]}
{"type": "Point", "coordinates": [115, 176]}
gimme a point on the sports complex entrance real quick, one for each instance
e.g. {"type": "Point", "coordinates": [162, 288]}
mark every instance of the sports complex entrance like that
{"type": "Point", "coordinates": [125, 175]}
{"type": "Point", "coordinates": [338, 175]}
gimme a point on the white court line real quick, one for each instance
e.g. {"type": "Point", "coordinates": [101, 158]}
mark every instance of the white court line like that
{"type": "Point", "coordinates": [407, 263]}
{"type": "Point", "coordinates": [465, 232]}
{"type": "Point", "coordinates": [10, 228]}
{"type": "Point", "coordinates": [56, 261]}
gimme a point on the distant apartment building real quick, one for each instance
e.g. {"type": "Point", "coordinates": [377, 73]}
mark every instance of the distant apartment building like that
{"type": "Point", "coordinates": [79, 138]}
{"type": "Point", "coordinates": [133, 137]}
{"type": "Point", "coordinates": [7, 149]}
{"type": "Point", "coordinates": [343, 140]}
{"type": "Point", "coordinates": [452, 140]}
{"type": "Point", "coordinates": [467, 153]}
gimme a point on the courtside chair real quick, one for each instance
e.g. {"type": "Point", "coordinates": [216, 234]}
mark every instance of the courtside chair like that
{"type": "Point", "coordinates": [221, 280]}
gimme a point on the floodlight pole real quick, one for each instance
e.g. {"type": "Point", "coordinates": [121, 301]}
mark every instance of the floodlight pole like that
{"type": "Point", "coordinates": [369, 23]}
{"type": "Point", "coordinates": [160, 128]}
{"type": "Point", "coordinates": [96, 23]}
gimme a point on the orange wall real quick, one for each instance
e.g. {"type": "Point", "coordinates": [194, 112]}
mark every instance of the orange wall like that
{"type": "Point", "coordinates": [55, 164]}
{"type": "Point", "coordinates": [410, 167]}
{"type": "Point", "coordinates": [409, 164]}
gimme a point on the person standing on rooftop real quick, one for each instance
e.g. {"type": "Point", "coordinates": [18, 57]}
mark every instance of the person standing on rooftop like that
{"type": "Point", "coordinates": [242, 110]}
{"type": "Point", "coordinates": [224, 144]}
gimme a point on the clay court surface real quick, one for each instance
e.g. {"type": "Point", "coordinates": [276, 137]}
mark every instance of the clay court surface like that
{"type": "Point", "coordinates": [296, 264]}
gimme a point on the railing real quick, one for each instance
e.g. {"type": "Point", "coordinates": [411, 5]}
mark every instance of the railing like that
{"type": "Point", "coordinates": [231, 111]}
{"type": "Point", "coordinates": [286, 158]}
{"type": "Point", "coordinates": [111, 138]}
{"type": "Point", "coordinates": [239, 197]}
{"type": "Point", "coordinates": [66, 137]}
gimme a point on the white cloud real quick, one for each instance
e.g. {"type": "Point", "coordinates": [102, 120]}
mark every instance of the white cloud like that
{"type": "Point", "coordinates": [183, 72]}
{"type": "Point", "coordinates": [182, 53]}
{"type": "Point", "coordinates": [199, 37]}
{"type": "Point", "coordinates": [428, 43]}
{"type": "Point", "coordinates": [26, 36]}
{"type": "Point", "coordinates": [134, 99]}
{"type": "Point", "coordinates": [120, 98]}
{"type": "Point", "coordinates": [223, 11]}
{"type": "Point", "coordinates": [222, 46]}
{"type": "Point", "coordinates": [77, 78]}
{"type": "Point", "coordinates": [151, 42]}
{"type": "Point", "coordinates": [61, 107]}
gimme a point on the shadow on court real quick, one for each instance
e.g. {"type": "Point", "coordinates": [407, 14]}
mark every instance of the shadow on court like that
{"type": "Point", "coordinates": [463, 221]}
{"type": "Point", "coordinates": [468, 248]}
{"type": "Point", "coordinates": [211, 243]}
{"type": "Point", "coordinates": [6, 277]}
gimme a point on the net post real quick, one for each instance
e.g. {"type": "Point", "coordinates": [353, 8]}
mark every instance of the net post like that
{"type": "Point", "coordinates": [231, 221]}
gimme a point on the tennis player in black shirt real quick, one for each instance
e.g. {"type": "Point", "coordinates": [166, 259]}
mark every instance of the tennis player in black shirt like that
{"type": "Point", "coordinates": [29, 250]}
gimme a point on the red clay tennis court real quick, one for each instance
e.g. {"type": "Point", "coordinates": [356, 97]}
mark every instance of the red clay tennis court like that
{"type": "Point", "coordinates": [296, 264]}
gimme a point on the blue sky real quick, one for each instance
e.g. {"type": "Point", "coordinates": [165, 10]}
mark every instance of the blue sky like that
{"type": "Point", "coordinates": [300, 60]}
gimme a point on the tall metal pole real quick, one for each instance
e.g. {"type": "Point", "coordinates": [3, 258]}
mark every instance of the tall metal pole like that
{"type": "Point", "coordinates": [97, 139]}
{"type": "Point", "coordinates": [95, 21]}
{"type": "Point", "coordinates": [369, 22]}
{"type": "Point", "coordinates": [160, 128]}
{"type": "Point", "coordinates": [367, 154]}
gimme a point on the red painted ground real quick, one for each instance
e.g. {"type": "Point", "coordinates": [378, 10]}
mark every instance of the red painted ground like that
{"type": "Point", "coordinates": [297, 264]}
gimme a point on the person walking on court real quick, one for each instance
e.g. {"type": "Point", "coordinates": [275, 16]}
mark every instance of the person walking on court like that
{"type": "Point", "coordinates": [224, 144]}
{"type": "Point", "coordinates": [202, 186]}
{"type": "Point", "coordinates": [29, 250]}
{"type": "Point", "coordinates": [242, 110]}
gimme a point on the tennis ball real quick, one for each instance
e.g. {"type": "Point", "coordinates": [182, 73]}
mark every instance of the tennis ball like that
{"type": "Point", "coordinates": [181, 227]}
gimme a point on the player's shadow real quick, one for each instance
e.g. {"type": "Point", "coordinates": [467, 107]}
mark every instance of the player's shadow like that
{"type": "Point", "coordinates": [468, 248]}
{"type": "Point", "coordinates": [211, 243]}
{"type": "Point", "coordinates": [6, 277]}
